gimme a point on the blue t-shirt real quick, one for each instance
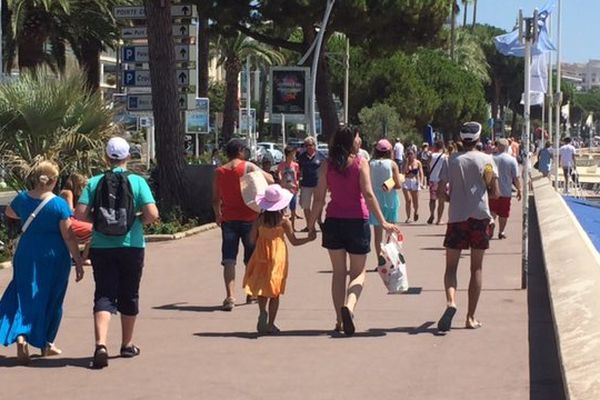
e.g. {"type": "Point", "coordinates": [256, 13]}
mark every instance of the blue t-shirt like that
{"type": "Point", "coordinates": [545, 160]}
{"type": "Point", "coordinates": [141, 196]}
{"type": "Point", "coordinates": [309, 168]}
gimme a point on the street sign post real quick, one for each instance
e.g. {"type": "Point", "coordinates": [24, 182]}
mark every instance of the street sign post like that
{"type": "Point", "coordinates": [140, 54]}
{"type": "Point", "coordinates": [141, 78]}
{"type": "Point", "coordinates": [143, 102]}
{"type": "Point", "coordinates": [141, 32]}
{"type": "Point", "coordinates": [139, 12]}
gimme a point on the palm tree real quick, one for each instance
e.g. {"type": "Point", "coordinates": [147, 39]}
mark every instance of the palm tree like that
{"type": "Point", "coordinates": [86, 25]}
{"type": "Point", "coordinates": [45, 117]}
{"type": "Point", "coordinates": [470, 55]}
{"type": "Point", "coordinates": [231, 52]}
{"type": "Point", "coordinates": [32, 23]}
{"type": "Point", "coordinates": [464, 11]}
{"type": "Point", "coordinates": [454, 10]}
{"type": "Point", "coordinates": [474, 14]}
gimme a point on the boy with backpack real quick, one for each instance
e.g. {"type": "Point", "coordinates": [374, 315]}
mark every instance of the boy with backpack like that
{"type": "Point", "coordinates": [118, 204]}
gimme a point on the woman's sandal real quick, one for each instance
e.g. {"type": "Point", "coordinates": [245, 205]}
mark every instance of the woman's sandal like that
{"type": "Point", "coordinates": [51, 350]}
{"type": "Point", "coordinates": [130, 351]}
{"type": "Point", "coordinates": [347, 321]}
{"type": "Point", "coordinates": [100, 357]}
{"type": "Point", "coordinates": [22, 351]}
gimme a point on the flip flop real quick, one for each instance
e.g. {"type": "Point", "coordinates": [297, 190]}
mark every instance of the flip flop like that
{"type": "Point", "coordinates": [445, 322]}
{"type": "Point", "coordinates": [347, 321]}
{"type": "Point", "coordinates": [476, 326]}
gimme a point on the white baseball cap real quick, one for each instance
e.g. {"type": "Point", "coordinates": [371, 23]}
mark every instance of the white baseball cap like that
{"type": "Point", "coordinates": [470, 131]}
{"type": "Point", "coordinates": [117, 148]}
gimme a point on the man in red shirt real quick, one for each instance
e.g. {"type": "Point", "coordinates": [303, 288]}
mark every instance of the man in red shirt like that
{"type": "Point", "coordinates": [233, 215]}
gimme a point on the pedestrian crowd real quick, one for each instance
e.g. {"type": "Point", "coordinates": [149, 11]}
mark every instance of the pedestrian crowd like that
{"type": "Point", "coordinates": [343, 195]}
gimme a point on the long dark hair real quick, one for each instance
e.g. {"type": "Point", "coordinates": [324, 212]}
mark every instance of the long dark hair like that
{"type": "Point", "coordinates": [341, 147]}
{"type": "Point", "coordinates": [272, 219]}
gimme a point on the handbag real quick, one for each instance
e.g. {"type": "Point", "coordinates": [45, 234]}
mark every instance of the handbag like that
{"type": "Point", "coordinates": [30, 219]}
{"type": "Point", "coordinates": [393, 271]}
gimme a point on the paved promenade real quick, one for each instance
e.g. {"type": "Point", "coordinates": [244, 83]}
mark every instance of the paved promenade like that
{"type": "Point", "coordinates": [192, 350]}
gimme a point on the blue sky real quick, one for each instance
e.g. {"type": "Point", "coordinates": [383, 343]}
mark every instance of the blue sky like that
{"type": "Point", "coordinates": [580, 23]}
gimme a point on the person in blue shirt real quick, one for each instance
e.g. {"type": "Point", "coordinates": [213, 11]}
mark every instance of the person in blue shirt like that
{"type": "Point", "coordinates": [117, 260]}
{"type": "Point", "coordinates": [310, 162]}
{"type": "Point", "coordinates": [545, 159]}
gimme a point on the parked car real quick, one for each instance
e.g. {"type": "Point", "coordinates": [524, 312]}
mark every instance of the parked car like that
{"type": "Point", "coordinates": [323, 148]}
{"type": "Point", "coordinates": [274, 149]}
{"type": "Point", "coordinates": [295, 142]}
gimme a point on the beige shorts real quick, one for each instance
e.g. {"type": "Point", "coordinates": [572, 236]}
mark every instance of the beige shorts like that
{"type": "Point", "coordinates": [306, 197]}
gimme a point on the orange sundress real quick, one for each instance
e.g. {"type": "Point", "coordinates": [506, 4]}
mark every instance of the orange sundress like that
{"type": "Point", "coordinates": [268, 267]}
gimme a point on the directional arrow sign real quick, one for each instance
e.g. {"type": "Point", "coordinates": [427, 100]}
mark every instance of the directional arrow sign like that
{"type": "Point", "coordinates": [141, 78]}
{"type": "Point", "coordinates": [143, 102]}
{"type": "Point", "coordinates": [131, 54]}
{"type": "Point", "coordinates": [139, 54]}
{"type": "Point", "coordinates": [138, 12]}
{"type": "Point", "coordinates": [141, 32]}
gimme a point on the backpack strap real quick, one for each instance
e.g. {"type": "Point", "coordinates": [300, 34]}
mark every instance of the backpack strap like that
{"type": "Point", "coordinates": [36, 212]}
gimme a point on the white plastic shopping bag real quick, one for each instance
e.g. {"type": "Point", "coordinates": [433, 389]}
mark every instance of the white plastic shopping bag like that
{"type": "Point", "coordinates": [393, 272]}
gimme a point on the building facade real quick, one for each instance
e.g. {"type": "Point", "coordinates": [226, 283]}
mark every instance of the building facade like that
{"type": "Point", "coordinates": [585, 75]}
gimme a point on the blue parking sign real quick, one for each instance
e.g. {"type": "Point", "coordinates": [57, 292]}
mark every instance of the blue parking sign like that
{"type": "Point", "coordinates": [129, 78]}
{"type": "Point", "coordinates": [128, 53]}
{"type": "Point", "coordinates": [133, 103]}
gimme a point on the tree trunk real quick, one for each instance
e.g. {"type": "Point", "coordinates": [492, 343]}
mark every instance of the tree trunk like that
{"type": "Point", "coordinates": [172, 188]}
{"type": "Point", "coordinates": [90, 62]}
{"type": "Point", "coordinates": [33, 36]}
{"type": "Point", "coordinates": [324, 94]}
{"type": "Point", "coordinates": [474, 14]}
{"type": "Point", "coordinates": [452, 28]}
{"type": "Point", "coordinates": [465, 9]}
{"type": "Point", "coordinates": [260, 115]}
{"type": "Point", "coordinates": [203, 57]}
{"type": "Point", "coordinates": [9, 49]}
{"type": "Point", "coordinates": [232, 70]}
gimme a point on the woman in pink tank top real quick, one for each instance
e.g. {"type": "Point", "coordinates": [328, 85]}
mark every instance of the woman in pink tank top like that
{"type": "Point", "coordinates": [346, 233]}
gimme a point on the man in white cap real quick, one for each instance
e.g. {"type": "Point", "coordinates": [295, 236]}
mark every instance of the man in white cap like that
{"type": "Point", "coordinates": [471, 175]}
{"type": "Point", "coordinates": [118, 203]}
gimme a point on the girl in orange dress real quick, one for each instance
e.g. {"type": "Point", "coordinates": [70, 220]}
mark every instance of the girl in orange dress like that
{"type": "Point", "coordinates": [267, 270]}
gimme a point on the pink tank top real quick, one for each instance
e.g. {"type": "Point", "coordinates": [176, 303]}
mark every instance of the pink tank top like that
{"type": "Point", "coordinates": [347, 201]}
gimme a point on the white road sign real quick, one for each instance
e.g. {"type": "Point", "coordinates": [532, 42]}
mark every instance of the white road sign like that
{"type": "Point", "coordinates": [140, 54]}
{"type": "Point", "coordinates": [139, 12]}
{"type": "Point", "coordinates": [143, 102]}
{"type": "Point", "coordinates": [141, 32]}
{"type": "Point", "coordinates": [141, 78]}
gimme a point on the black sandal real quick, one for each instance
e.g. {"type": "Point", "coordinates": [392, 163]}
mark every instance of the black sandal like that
{"type": "Point", "coordinates": [129, 352]}
{"type": "Point", "coordinates": [100, 357]}
{"type": "Point", "coordinates": [347, 321]}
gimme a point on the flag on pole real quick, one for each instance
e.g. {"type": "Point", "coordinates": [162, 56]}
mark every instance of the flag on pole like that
{"type": "Point", "coordinates": [589, 121]}
{"type": "Point", "coordinates": [539, 80]}
{"type": "Point", "coordinates": [508, 44]}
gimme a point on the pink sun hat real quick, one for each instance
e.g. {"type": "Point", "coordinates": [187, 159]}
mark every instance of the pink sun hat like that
{"type": "Point", "coordinates": [275, 198]}
{"type": "Point", "coordinates": [383, 145]}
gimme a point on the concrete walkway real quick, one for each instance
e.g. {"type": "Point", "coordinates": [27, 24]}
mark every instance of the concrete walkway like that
{"type": "Point", "coordinates": [192, 350]}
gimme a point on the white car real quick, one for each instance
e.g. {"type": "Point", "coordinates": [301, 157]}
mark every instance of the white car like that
{"type": "Point", "coordinates": [274, 149]}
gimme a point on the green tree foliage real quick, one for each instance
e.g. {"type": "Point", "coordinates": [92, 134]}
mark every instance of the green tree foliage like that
{"type": "Point", "coordinates": [379, 121]}
{"type": "Point", "coordinates": [44, 117]}
{"type": "Point", "coordinates": [378, 26]}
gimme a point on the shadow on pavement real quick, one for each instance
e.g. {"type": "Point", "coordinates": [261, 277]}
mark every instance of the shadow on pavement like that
{"type": "Point", "coordinates": [39, 362]}
{"type": "Point", "coordinates": [291, 333]}
{"type": "Point", "coordinates": [184, 307]}
{"type": "Point", "coordinates": [425, 327]}
{"type": "Point", "coordinates": [544, 366]}
{"type": "Point", "coordinates": [441, 235]}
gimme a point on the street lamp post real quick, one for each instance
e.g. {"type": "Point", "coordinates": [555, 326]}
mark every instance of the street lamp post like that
{"type": "Point", "coordinates": [315, 64]}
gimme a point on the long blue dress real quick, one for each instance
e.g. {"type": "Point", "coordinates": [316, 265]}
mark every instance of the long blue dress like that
{"type": "Point", "coordinates": [32, 303]}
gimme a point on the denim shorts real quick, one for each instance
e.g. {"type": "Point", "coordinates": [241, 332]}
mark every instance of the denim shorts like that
{"type": "Point", "coordinates": [232, 232]}
{"type": "Point", "coordinates": [352, 235]}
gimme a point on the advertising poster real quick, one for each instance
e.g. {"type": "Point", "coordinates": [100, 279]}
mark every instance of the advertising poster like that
{"type": "Point", "coordinates": [289, 93]}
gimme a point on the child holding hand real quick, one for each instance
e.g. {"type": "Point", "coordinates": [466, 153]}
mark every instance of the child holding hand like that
{"type": "Point", "coordinates": [267, 270]}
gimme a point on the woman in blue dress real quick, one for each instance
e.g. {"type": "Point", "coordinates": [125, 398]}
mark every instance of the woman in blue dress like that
{"type": "Point", "coordinates": [385, 178]}
{"type": "Point", "coordinates": [31, 307]}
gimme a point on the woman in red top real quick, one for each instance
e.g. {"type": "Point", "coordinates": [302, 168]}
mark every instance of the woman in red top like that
{"type": "Point", "coordinates": [346, 232]}
{"type": "Point", "coordinates": [232, 214]}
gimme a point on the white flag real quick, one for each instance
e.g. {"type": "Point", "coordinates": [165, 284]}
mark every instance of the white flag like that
{"type": "Point", "coordinates": [539, 80]}
{"type": "Point", "coordinates": [589, 121]}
